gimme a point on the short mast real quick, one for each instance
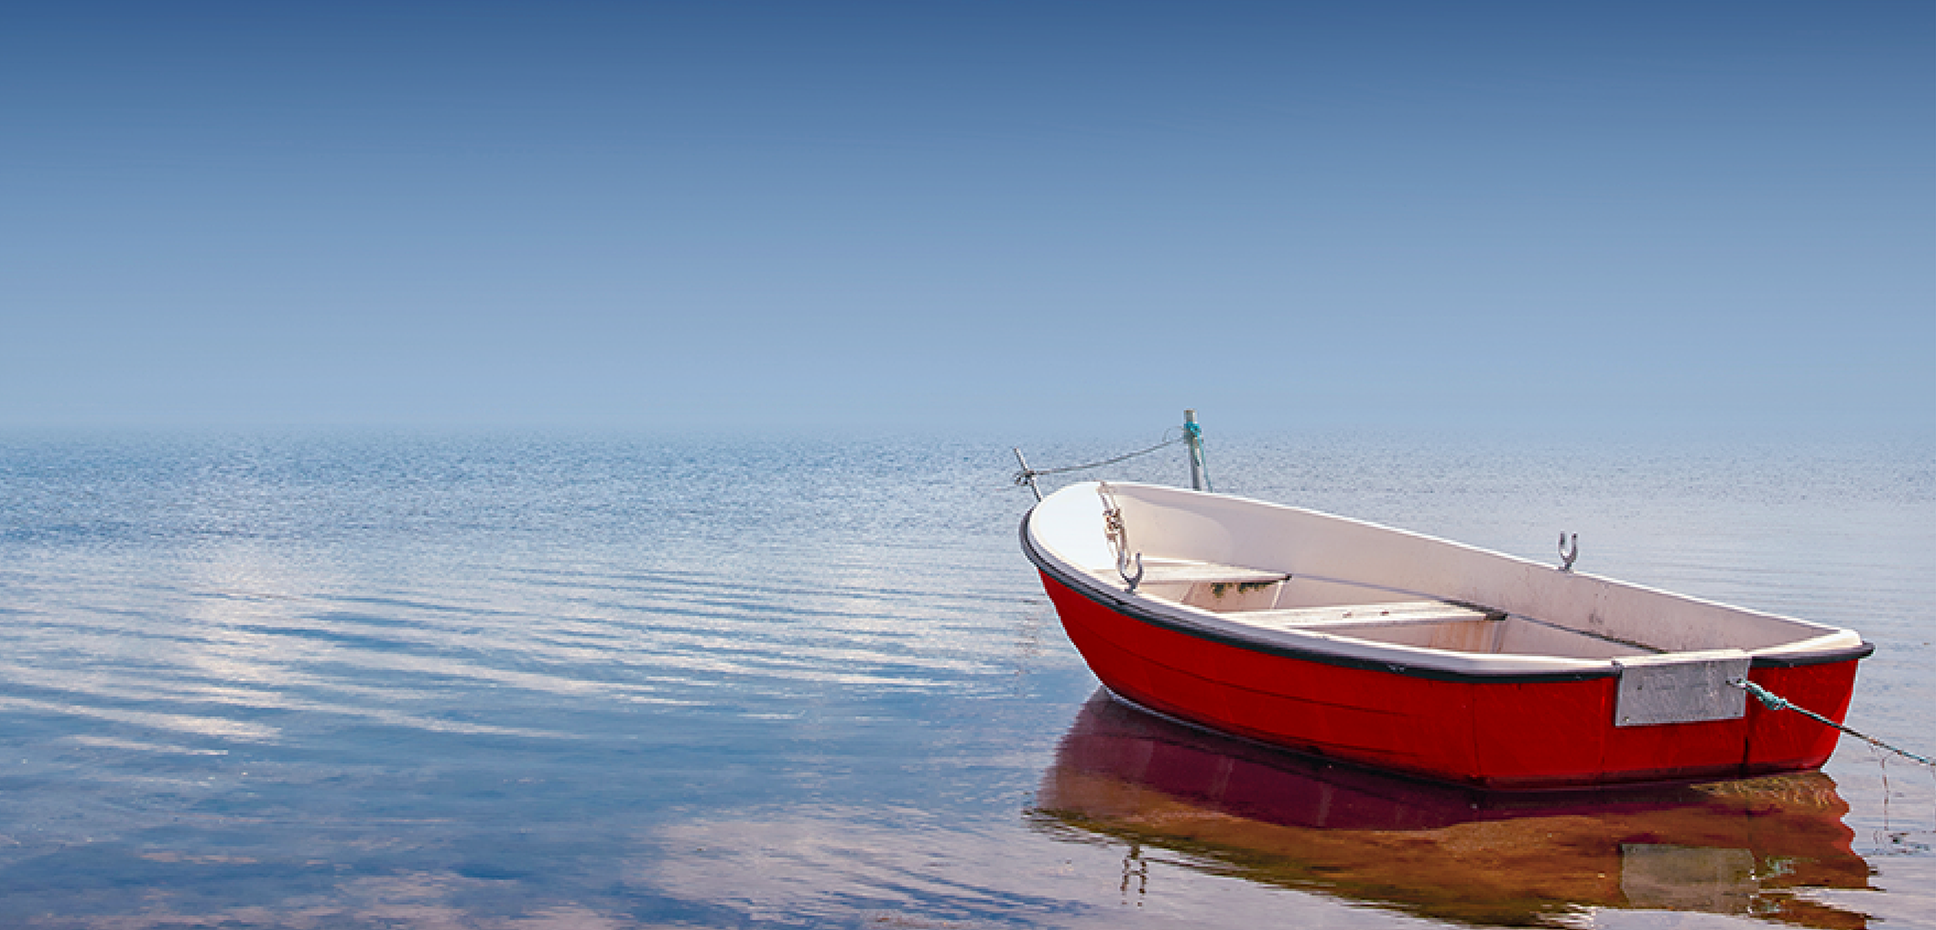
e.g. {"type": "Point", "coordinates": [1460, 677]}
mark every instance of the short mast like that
{"type": "Point", "coordinates": [1199, 473]}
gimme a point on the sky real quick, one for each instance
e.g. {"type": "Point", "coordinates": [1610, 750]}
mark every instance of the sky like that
{"type": "Point", "coordinates": [970, 217]}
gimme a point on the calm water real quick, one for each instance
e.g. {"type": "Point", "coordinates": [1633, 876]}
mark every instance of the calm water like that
{"type": "Point", "coordinates": [329, 681]}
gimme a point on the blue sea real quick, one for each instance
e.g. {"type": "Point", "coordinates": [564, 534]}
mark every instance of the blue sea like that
{"type": "Point", "coordinates": [500, 680]}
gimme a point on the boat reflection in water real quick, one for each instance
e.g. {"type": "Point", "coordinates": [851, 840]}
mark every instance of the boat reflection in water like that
{"type": "Point", "coordinates": [1749, 848]}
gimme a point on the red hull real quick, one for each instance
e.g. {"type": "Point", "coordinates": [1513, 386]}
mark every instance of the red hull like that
{"type": "Point", "coordinates": [1498, 734]}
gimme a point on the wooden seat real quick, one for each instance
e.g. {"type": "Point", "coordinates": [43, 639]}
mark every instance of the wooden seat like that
{"type": "Point", "coordinates": [1355, 615]}
{"type": "Point", "coordinates": [1190, 571]}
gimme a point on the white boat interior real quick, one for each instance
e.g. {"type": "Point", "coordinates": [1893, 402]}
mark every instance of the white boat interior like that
{"type": "Point", "coordinates": [1271, 572]}
{"type": "Point", "coordinates": [1277, 601]}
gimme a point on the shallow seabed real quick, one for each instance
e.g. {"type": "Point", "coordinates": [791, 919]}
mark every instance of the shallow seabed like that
{"type": "Point", "coordinates": [519, 681]}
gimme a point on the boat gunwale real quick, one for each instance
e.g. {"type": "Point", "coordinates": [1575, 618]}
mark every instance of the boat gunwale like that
{"type": "Point", "coordinates": [1399, 659]}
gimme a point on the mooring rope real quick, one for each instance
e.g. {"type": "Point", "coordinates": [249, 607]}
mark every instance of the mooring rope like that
{"type": "Point", "coordinates": [1029, 474]}
{"type": "Point", "coordinates": [1775, 701]}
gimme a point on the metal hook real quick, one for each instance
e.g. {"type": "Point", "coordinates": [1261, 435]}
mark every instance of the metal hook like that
{"type": "Point", "coordinates": [1568, 555]}
{"type": "Point", "coordinates": [1122, 568]}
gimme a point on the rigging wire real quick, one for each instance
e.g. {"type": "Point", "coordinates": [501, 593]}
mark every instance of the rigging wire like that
{"type": "Point", "coordinates": [1028, 475]}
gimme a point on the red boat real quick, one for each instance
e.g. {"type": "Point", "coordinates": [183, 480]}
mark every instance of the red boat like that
{"type": "Point", "coordinates": [1392, 649]}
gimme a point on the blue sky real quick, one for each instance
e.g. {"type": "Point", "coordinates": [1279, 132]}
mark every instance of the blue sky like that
{"type": "Point", "coordinates": [987, 217]}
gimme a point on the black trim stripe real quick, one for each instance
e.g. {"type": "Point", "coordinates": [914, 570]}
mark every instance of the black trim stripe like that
{"type": "Point", "coordinates": [1800, 659]}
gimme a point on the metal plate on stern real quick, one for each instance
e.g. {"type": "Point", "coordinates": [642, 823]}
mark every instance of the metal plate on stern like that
{"type": "Point", "coordinates": [1681, 687]}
